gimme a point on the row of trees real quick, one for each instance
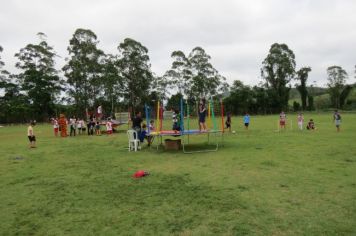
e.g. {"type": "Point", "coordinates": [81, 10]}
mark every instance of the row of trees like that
{"type": "Point", "coordinates": [124, 80]}
{"type": "Point", "coordinates": [92, 77]}
{"type": "Point", "coordinates": [272, 95]}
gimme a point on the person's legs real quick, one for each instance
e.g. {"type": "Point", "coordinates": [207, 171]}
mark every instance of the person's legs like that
{"type": "Point", "coordinates": [34, 142]}
{"type": "Point", "coordinates": [149, 138]}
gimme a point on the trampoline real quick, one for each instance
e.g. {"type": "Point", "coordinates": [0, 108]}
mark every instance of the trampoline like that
{"type": "Point", "coordinates": [183, 133]}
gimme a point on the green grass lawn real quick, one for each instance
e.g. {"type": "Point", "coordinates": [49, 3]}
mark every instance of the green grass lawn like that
{"type": "Point", "coordinates": [261, 182]}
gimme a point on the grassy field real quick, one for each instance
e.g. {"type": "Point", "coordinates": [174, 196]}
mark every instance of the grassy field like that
{"type": "Point", "coordinates": [261, 182]}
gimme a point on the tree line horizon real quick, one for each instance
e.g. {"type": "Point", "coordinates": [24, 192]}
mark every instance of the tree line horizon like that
{"type": "Point", "coordinates": [124, 81]}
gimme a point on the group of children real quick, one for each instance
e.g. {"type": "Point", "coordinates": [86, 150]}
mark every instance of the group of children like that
{"type": "Point", "coordinates": [311, 123]}
{"type": "Point", "coordinates": [78, 126]}
{"type": "Point", "coordinates": [246, 121]}
{"type": "Point", "coordinates": [300, 122]}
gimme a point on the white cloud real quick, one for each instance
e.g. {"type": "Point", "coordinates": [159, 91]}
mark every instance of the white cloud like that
{"type": "Point", "coordinates": [237, 34]}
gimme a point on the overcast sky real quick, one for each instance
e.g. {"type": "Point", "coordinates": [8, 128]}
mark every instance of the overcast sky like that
{"type": "Point", "coordinates": [236, 34]}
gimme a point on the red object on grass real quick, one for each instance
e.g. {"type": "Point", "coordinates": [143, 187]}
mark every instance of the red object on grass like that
{"type": "Point", "coordinates": [140, 174]}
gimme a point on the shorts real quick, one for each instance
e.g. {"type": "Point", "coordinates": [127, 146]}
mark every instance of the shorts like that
{"type": "Point", "coordinates": [109, 131]}
{"type": "Point", "coordinates": [282, 122]}
{"type": "Point", "coordinates": [337, 123]}
{"type": "Point", "coordinates": [32, 138]}
{"type": "Point", "coordinates": [56, 130]}
{"type": "Point", "coordinates": [247, 124]}
{"type": "Point", "coordinates": [228, 125]}
{"type": "Point", "coordinates": [201, 118]}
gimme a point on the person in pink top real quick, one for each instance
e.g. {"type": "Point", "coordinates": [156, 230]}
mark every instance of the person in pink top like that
{"type": "Point", "coordinates": [55, 126]}
{"type": "Point", "coordinates": [282, 120]}
{"type": "Point", "coordinates": [300, 120]}
{"type": "Point", "coordinates": [109, 127]}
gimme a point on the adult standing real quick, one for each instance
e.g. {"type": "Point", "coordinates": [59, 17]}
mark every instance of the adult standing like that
{"type": "Point", "coordinates": [90, 126]}
{"type": "Point", "coordinates": [136, 123]}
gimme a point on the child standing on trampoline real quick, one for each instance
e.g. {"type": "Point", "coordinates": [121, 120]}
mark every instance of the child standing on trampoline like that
{"type": "Point", "coordinates": [202, 115]}
{"type": "Point", "coordinates": [176, 120]}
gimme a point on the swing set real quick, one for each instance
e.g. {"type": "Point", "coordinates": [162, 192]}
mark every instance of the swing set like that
{"type": "Point", "coordinates": [185, 130]}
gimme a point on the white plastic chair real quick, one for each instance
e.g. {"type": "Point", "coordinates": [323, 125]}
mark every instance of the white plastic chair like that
{"type": "Point", "coordinates": [134, 142]}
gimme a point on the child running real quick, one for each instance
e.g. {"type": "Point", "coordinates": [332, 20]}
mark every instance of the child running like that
{"type": "Point", "coordinates": [31, 135]}
{"type": "Point", "coordinates": [300, 120]}
{"type": "Point", "coordinates": [246, 120]}
{"type": "Point", "coordinates": [202, 115]}
{"type": "Point", "coordinates": [337, 120]}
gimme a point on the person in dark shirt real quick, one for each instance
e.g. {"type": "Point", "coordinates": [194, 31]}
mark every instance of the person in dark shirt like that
{"type": "Point", "coordinates": [136, 121]}
{"type": "Point", "coordinates": [176, 121]}
{"type": "Point", "coordinates": [228, 121]}
{"type": "Point", "coordinates": [202, 115]}
{"type": "Point", "coordinates": [311, 125]}
{"type": "Point", "coordinates": [90, 126]}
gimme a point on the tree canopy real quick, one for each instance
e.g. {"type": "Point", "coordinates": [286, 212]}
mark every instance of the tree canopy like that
{"type": "Point", "coordinates": [278, 69]}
